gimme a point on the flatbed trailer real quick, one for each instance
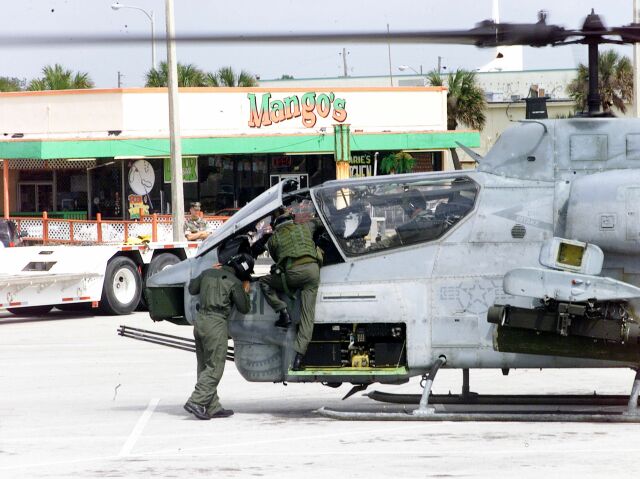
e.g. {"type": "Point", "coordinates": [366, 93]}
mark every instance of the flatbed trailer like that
{"type": "Point", "coordinates": [34, 279]}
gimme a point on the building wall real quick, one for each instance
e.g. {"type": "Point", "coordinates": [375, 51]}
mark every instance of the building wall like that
{"type": "Point", "coordinates": [212, 112]}
{"type": "Point", "coordinates": [59, 113]}
{"type": "Point", "coordinates": [499, 85]}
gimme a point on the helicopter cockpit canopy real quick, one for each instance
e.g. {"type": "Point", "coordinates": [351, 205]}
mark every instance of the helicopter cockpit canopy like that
{"type": "Point", "coordinates": [258, 208]}
{"type": "Point", "coordinates": [374, 215]}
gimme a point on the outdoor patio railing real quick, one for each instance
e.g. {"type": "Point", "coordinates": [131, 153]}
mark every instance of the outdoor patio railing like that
{"type": "Point", "coordinates": [47, 230]}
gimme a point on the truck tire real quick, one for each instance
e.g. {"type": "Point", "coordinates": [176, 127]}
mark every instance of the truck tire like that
{"type": "Point", "coordinates": [122, 287]}
{"type": "Point", "coordinates": [30, 310]}
{"type": "Point", "coordinates": [158, 263]}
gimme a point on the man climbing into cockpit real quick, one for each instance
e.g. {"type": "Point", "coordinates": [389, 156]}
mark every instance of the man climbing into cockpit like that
{"type": "Point", "coordinates": [297, 267]}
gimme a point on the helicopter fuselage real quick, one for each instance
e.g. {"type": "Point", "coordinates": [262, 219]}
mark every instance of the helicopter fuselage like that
{"type": "Point", "coordinates": [405, 283]}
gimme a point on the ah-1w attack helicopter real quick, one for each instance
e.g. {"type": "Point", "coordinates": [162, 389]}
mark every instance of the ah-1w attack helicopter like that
{"type": "Point", "coordinates": [530, 261]}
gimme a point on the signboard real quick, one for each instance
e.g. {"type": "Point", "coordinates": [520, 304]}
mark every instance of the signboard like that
{"type": "Point", "coordinates": [281, 162]}
{"type": "Point", "coordinates": [137, 203]}
{"type": "Point", "coordinates": [308, 107]}
{"type": "Point", "coordinates": [361, 164]}
{"type": "Point", "coordinates": [189, 169]}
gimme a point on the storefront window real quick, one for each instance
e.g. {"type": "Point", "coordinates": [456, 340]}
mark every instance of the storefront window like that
{"type": "Point", "coordinates": [71, 188]}
{"type": "Point", "coordinates": [106, 185]}
{"type": "Point", "coordinates": [260, 181]}
{"type": "Point", "coordinates": [215, 176]}
{"type": "Point", "coordinates": [244, 181]}
{"type": "Point", "coordinates": [35, 191]}
{"type": "Point", "coordinates": [234, 180]}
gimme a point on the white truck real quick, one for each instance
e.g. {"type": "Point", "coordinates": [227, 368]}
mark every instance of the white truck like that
{"type": "Point", "coordinates": [34, 279]}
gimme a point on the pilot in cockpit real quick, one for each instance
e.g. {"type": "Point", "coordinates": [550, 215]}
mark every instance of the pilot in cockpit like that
{"type": "Point", "coordinates": [420, 226]}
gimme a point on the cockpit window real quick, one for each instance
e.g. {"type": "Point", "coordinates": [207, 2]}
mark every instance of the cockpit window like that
{"type": "Point", "coordinates": [367, 218]}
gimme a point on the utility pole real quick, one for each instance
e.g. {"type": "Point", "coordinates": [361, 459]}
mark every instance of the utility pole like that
{"type": "Point", "coordinates": [636, 63]}
{"type": "Point", "coordinates": [120, 75]}
{"type": "Point", "coordinates": [344, 61]}
{"type": "Point", "coordinates": [389, 47]}
{"type": "Point", "coordinates": [439, 64]}
{"type": "Point", "coordinates": [177, 195]}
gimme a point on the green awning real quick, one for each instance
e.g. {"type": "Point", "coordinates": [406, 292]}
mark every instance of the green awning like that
{"type": "Point", "coordinates": [316, 143]}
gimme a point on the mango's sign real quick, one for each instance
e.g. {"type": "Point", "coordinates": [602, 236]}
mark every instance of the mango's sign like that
{"type": "Point", "coordinates": [308, 107]}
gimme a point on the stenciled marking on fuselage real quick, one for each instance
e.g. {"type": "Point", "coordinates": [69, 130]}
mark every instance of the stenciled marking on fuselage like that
{"type": "Point", "coordinates": [513, 214]}
{"type": "Point", "coordinates": [474, 296]}
{"type": "Point", "coordinates": [257, 307]}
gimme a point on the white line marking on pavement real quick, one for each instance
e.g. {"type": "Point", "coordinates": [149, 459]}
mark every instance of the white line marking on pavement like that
{"type": "Point", "coordinates": [135, 434]}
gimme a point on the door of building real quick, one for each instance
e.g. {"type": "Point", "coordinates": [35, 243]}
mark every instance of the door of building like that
{"type": "Point", "coordinates": [302, 179]}
{"type": "Point", "coordinates": [35, 196]}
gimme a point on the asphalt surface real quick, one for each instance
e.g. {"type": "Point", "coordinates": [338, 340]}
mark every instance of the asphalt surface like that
{"type": "Point", "coordinates": [76, 400]}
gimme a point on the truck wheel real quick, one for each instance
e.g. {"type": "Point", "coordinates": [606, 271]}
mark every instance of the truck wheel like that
{"type": "Point", "coordinates": [30, 310]}
{"type": "Point", "coordinates": [158, 263]}
{"type": "Point", "coordinates": [122, 287]}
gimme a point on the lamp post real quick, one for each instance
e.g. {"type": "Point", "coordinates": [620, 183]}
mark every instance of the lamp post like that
{"type": "Point", "coordinates": [636, 64]}
{"type": "Point", "coordinates": [407, 67]}
{"type": "Point", "coordinates": [117, 6]}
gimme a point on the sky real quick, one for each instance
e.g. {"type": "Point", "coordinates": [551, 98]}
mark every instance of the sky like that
{"type": "Point", "coordinates": [269, 61]}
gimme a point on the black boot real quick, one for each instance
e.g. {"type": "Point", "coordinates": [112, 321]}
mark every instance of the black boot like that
{"type": "Point", "coordinates": [284, 321]}
{"type": "Point", "coordinates": [297, 362]}
{"type": "Point", "coordinates": [197, 410]}
{"type": "Point", "coordinates": [221, 413]}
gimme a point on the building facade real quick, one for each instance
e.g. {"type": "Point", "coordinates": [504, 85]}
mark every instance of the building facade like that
{"type": "Point", "coordinates": [106, 151]}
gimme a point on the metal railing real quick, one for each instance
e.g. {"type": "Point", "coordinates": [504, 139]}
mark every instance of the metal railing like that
{"type": "Point", "coordinates": [55, 230]}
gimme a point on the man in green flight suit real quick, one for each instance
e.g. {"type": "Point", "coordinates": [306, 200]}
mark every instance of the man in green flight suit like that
{"type": "Point", "coordinates": [220, 288]}
{"type": "Point", "coordinates": [297, 267]}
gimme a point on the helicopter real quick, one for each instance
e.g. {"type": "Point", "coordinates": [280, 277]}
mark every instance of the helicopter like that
{"type": "Point", "coordinates": [532, 260]}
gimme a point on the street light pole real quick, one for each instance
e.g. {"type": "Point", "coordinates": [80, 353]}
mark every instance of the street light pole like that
{"type": "Point", "coordinates": [117, 6]}
{"type": "Point", "coordinates": [407, 67]}
{"type": "Point", "coordinates": [177, 191]}
{"type": "Point", "coordinates": [636, 64]}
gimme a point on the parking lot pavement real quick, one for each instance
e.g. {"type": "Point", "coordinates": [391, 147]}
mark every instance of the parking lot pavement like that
{"type": "Point", "coordinates": [76, 400]}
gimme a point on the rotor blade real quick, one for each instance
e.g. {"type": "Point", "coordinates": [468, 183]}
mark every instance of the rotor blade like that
{"type": "Point", "coordinates": [628, 33]}
{"type": "Point", "coordinates": [485, 34]}
{"type": "Point", "coordinates": [204, 37]}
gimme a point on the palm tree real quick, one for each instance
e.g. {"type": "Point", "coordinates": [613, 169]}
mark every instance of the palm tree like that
{"type": "Point", "coordinates": [226, 77]}
{"type": "Point", "coordinates": [465, 102]}
{"type": "Point", "coordinates": [10, 84]}
{"type": "Point", "coordinates": [188, 76]}
{"type": "Point", "coordinates": [615, 82]}
{"type": "Point", "coordinates": [401, 162]}
{"type": "Point", "coordinates": [57, 78]}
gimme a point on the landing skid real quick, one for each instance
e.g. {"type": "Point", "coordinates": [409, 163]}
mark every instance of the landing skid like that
{"type": "Point", "coordinates": [583, 416]}
{"type": "Point", "coordinates": [471, 407]}
{"type": "Point", "coordinates": [505, 399]}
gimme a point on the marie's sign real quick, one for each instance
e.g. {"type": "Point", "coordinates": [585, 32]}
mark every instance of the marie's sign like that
{"type": "Point", "coordinates": [307, 107]}
{"type": "Point", "coordinates": [361, 165]}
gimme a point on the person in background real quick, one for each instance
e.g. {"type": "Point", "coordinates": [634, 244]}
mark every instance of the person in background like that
{"type": "Point", "coordinates": [195, 228]}
{"type": "Point", "coordinates": [220, 289]}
